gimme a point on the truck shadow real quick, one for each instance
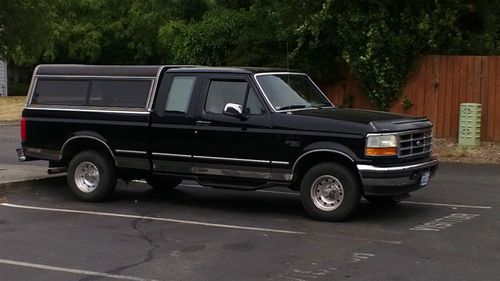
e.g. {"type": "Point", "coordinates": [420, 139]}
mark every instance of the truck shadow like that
{"type": "Point", "coordinates": [254, 203]}
{"type": "Point", "coordinates": [197, 200]}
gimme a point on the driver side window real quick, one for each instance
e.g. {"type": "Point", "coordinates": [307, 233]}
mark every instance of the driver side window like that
{"type": "Point", "coordinates": [221, 93]}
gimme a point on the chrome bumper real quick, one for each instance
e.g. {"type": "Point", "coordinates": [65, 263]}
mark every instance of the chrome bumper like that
{"type": "Point", "coordinates": [394, 180]}
{"type": "Point", "coordinates": [370, 168]}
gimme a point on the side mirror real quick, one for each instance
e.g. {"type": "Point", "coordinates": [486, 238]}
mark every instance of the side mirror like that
{"type": "Point", "coordinates": [233, 109]}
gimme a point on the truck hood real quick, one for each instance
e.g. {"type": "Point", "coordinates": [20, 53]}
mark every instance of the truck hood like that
{"type": "Point", "coordinates": [375, 121]}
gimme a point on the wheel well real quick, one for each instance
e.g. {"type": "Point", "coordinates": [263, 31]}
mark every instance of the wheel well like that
{"type": "Point", "coordinates": [313, 159]}
{"type": "Point", "coordinates": [71, 148]}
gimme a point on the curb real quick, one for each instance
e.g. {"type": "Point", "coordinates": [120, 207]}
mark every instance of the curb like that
{"type": "Point", "coordinates": [10, 186]}
{"type": "Point", "coordinates": [9, 123]}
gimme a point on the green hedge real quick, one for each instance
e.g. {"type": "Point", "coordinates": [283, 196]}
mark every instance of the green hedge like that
{"type": "Point", "coordinates": [17, 89]}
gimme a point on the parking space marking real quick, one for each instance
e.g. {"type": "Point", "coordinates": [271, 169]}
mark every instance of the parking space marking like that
{"type": "Point", "coordinates": [445, 222]}
{"type": "Point", "coordinates": [393, 242]}
{"type": "Point", "coordinates": [154, 219]}
{"type": "Point", "coordinates": [195, 223]}
{"type": "Point", "coordinates": [304, 275]}
{"type": "Point", "coordinates": [446, 205]}
{"type": "Point", "coordinates": [72, 270]}
{"type": "Point", "coordinates": [357, 257]}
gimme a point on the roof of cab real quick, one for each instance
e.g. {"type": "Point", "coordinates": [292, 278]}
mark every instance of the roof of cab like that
{"type": "Point", "coordinates": [140, 70]}
{"type": "Point", "coordinates": [230, 69]}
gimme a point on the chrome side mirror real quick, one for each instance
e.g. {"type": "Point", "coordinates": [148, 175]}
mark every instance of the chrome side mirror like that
{"type": "Point", "coordinates": [233, 109]}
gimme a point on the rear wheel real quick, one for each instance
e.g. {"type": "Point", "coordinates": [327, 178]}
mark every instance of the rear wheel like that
{"type": "Point", "coordinates": [91, 176]}
{"type": "Point", "coordinates": [163, 183]}
{"type": "Point", "coordinates": [330, 192]}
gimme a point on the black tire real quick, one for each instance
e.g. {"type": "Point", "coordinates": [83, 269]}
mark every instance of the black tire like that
{"type": "Point", "coordinates": [382, 200]}
{"type": "Point", "coordinates": [87, 188]}
{"type": "Point", "coordinates": [342, 199]}
{"type": "Point", "coordinates": [163, 183]}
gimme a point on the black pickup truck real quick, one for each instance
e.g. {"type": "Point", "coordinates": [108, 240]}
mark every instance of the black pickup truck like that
{"type": "Point", "coordinates": [225, 127]}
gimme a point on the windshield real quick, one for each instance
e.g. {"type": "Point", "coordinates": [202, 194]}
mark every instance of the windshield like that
{"type": "Point", "coordinates": [291, 91]}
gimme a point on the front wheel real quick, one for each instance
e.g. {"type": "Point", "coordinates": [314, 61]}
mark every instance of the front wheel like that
{"type": "Point", "coordinates": [91, 176]}
{"type": "Point", "coordinates": [330, 192]}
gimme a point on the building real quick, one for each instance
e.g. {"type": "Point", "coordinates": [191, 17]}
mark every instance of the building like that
{"type": "Point", "coordinates": [3, 78]}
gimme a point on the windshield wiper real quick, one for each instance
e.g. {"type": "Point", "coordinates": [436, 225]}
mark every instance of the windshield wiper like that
{"type": "Point", "coordinates": [321, 106]}
{"type": "Point", "coordinates": [293, 106]}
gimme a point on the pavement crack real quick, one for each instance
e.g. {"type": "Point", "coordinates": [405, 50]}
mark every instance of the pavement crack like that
{"type": "Point", "coordinates": [149, 254]}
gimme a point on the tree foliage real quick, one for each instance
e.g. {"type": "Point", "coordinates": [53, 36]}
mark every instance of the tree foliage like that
{"type": "Point", "coordinates": [23, 28]}
{"type": "Point", "coordinates": [208, 41]}
{"type": "Point", "coordinates": [383, 51]}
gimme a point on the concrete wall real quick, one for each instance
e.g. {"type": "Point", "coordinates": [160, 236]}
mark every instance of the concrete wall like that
{"type": "Point", "coordinates": [3, 78]}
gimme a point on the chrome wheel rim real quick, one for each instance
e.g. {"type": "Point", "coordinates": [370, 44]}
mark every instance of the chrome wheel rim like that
{"type": "Point", "coordinates": [86, 177]}
{"type": "Point", "coordinates": [327, 193]}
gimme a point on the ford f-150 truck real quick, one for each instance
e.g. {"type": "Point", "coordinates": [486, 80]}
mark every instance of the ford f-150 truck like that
{"type": "Point", "coordinates": [225, 127]}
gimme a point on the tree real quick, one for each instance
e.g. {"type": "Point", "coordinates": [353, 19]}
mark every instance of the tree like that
{"type": "Point", "coordinates": [116, 31]}
{"type": "Point", "coordinates": [208, 41]}
{"type": "Point", "coordinates": [24, 25]}
{"type": "Point", "coordinates": [381, 41]}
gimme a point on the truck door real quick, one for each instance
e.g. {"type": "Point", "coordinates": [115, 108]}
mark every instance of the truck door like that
{"type": "Point", "coordinates": [172, 124]}
{"type": "Point", "coordinates": [231, 146]}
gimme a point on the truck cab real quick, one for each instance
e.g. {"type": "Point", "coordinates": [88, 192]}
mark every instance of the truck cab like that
{"type": "Point", "coordinates": [225, 127]}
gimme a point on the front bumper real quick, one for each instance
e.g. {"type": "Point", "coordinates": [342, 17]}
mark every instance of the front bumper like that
{"type": "Point", "coordinates": [395, 180]}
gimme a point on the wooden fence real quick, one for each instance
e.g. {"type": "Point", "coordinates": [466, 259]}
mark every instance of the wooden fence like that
{"type": "Point", "coordinates": [437, 87]}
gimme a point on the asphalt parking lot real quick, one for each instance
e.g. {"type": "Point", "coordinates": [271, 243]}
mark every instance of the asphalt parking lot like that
{"type": "Point", "coordinates": [447, 231]}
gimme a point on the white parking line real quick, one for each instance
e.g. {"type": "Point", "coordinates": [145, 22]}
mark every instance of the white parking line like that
{"type": "Point", "coordinates": [71, 270]}
{"type": "Point", "coordinates": [153, 219]}
{"type": "Point", "coordinates": [447, 205]}
{"type": "Point", "coordinates": [190, 222]}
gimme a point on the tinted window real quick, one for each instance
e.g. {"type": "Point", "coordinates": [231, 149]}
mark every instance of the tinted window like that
{"type": "Point", "coordinates": [119, 93]}
{"type": "Point", "coordinates": [289, 91]}
{"type": "Point", "coordinates": [221, 93]}
{"type": "Point", "coordinates": [115, 93]}
{"type": "Point", "coordinates": [253, 105]}
{"type": "Point", "coordinates": [64, 92]}
{"type": "Point", "coordinates": [180, 93]}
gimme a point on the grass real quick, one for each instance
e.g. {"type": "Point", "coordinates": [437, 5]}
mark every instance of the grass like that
{"type": "Point", "coordinates": [11, 108]}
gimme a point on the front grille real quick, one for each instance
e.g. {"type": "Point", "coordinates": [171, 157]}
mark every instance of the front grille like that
{"type": "Point", "coordinates": [414, 143]}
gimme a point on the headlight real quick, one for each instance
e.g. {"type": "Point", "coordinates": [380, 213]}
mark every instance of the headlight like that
{"type": "Point", "coordinates": [381, 145]}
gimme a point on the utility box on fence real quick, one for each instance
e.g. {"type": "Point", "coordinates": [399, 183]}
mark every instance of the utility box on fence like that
{"type": "Point", "coordinates": [469, 131]}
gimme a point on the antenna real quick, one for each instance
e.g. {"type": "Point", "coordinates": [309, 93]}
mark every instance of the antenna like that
{"type": "Point", "coordinates": [287, 57]}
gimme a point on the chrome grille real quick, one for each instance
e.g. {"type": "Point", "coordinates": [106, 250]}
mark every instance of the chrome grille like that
{"type": "Point", "coordinates": [414, 143]}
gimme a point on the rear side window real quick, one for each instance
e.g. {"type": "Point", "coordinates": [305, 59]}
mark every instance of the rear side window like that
{"type": "Point", "coordinates": [119, 93]}
{"type": "Point", "coordinates": [179, 94]}
{"type": "Point", "coordinates": [92, 92]}
{"type": "Point", "coordinates": [63, 92]}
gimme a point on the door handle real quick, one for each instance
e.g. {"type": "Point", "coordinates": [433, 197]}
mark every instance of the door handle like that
{"type": "Point", "coordinates": [203, 123]}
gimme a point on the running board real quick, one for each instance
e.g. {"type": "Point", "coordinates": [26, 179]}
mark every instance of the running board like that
{"type": "Point", "coordinates": [57, 170]}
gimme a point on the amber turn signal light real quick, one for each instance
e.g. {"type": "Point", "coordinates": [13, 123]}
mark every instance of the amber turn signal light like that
{"type": "Point", "coordinates": [381, 151]}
